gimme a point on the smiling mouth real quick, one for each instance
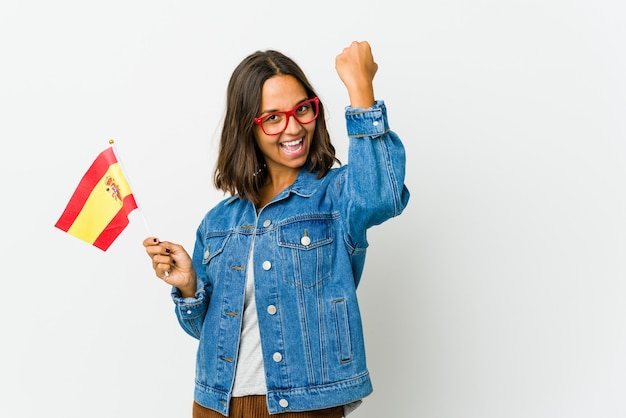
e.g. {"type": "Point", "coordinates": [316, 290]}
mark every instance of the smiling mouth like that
{"type": "Point", "coordinates": [292, 146]}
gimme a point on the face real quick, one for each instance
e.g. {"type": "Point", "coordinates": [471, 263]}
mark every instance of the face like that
{"type": "Point", "coordinates": [286, 152]}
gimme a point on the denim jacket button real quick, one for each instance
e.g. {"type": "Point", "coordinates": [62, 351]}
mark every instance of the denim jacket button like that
{"type": "Point", "coordinates": [267, 265]}
{"type": "Point", "coordinates": [305, 240]}
{"type": "Point", "coordinates": [284, 403]}
{"type": "Point", "coordinates": [267, 223]}
{"type": "Point", "coordinates": [277, 357]}
{"type": "Point", "coordinates": [271, 310]}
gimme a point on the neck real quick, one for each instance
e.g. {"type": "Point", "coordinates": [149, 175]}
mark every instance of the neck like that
{"type": "Point", "coordinates": [274, 185]}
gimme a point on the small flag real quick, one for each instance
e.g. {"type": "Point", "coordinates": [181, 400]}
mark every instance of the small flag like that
{"type": "Point", "coordinates": [98, 211]}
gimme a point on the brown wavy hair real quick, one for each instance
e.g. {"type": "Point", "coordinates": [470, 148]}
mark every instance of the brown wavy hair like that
{"type": "Point", "coordinates": [240, 163]}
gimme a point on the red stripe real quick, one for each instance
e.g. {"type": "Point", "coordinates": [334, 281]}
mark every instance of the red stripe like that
{"type": "Point", "coordinates": [89, 181]}
{"type": "Point", "coordinates": [117, 224]}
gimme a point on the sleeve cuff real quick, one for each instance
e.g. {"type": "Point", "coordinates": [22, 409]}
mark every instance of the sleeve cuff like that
{"type": "Point", "coordinates": [188, 308]}
{"type": "Point", "coordinates": [367, 122]}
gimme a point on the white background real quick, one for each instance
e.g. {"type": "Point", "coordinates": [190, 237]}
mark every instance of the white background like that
{"type": "Point", "coordinates": [499, 292]}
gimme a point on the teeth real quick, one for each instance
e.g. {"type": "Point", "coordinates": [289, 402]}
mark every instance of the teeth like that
{"type": "Point", "coordinates": [292, 143]}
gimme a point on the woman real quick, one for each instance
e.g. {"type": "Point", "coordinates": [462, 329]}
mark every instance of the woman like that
{"type": "Point", "coordinates": [270, 291]}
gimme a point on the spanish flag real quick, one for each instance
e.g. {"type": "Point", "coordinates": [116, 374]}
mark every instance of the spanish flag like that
{"type": "Point", "coordinates": [98, 211]}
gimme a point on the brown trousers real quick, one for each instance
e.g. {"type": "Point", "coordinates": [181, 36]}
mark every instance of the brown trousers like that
{"type": "Point", "coordinates": [255, 407]}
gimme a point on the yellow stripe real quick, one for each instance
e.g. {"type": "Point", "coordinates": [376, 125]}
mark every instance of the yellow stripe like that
{"type": "Point", "coordinates": [101, 206]}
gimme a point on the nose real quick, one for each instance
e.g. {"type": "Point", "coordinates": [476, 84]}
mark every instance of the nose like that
{"type": "Point", "coordinates": [293, 126]}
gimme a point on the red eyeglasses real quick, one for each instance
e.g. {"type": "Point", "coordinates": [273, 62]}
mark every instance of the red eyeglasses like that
{"type": "Point", "coordinates": [276, 122]}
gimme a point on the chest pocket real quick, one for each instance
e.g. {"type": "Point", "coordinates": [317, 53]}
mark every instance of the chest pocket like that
{"type": "Point", "coordinates": [213, 247]}
{"type": "Point", "coordinates": [306, 251]}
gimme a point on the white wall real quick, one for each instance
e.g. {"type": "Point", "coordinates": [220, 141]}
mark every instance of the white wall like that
{"type": "Point", "coordinates": [498, 293]}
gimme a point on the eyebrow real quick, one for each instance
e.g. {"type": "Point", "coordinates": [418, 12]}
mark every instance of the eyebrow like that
{"type": "Point", "coordinates": [265, 112]}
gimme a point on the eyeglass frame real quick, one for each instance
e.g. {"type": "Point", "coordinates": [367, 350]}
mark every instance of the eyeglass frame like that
{"type": "Point", "coordinates": [288, 114]}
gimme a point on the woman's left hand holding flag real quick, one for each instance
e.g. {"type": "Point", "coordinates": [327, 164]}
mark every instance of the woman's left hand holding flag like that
{"type": "Point", "coordinates": [172, 264]}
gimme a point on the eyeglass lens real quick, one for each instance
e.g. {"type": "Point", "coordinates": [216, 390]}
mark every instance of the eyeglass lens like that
{"type": "Point", "coordinates": [275, 123]}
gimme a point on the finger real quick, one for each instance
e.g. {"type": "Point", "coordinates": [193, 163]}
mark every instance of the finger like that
{"type": "Point", "coordinates": [155, 250]}
{"type": "Point", "coordinates": [150, 241]}
{"type": "Point", "coordinates": [162, 270]}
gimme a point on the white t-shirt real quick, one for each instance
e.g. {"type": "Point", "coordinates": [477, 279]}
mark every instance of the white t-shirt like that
{"type": "Point", "coordinates": [250, 372]}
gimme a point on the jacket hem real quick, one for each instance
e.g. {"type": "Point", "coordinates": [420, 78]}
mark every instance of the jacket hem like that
{"type": "Point", "coordinates": [294, 400]}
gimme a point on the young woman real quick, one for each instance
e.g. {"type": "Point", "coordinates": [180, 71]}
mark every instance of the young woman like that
{"type": "Point", "coordinates": [270, 289]}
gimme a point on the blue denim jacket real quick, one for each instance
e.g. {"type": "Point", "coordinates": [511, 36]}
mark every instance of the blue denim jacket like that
{"type": "Point", "coordinates": [309, 250]}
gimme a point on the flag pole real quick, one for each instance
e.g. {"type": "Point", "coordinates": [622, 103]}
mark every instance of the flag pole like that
{"type": "Point", "coordinates": [119, 160]}
{"type": "Point", "coordinates": [143, 216]}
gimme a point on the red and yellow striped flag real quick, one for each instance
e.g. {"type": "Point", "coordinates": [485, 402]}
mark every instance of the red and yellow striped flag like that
{"type": "Point", "coordinates": [98, 211]}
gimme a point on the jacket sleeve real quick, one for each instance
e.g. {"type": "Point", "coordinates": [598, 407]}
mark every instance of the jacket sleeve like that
{"type": "Point", "coordinates": [375, 176]}
{"type": "Point", "coordinates": [191, 312]}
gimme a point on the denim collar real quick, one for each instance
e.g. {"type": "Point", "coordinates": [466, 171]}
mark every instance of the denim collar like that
{"type": "Point", "coordinates": [305, 185]}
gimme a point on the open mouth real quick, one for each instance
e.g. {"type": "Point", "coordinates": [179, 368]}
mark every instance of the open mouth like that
{"type": "Point", "coordinates": [292, 146]}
